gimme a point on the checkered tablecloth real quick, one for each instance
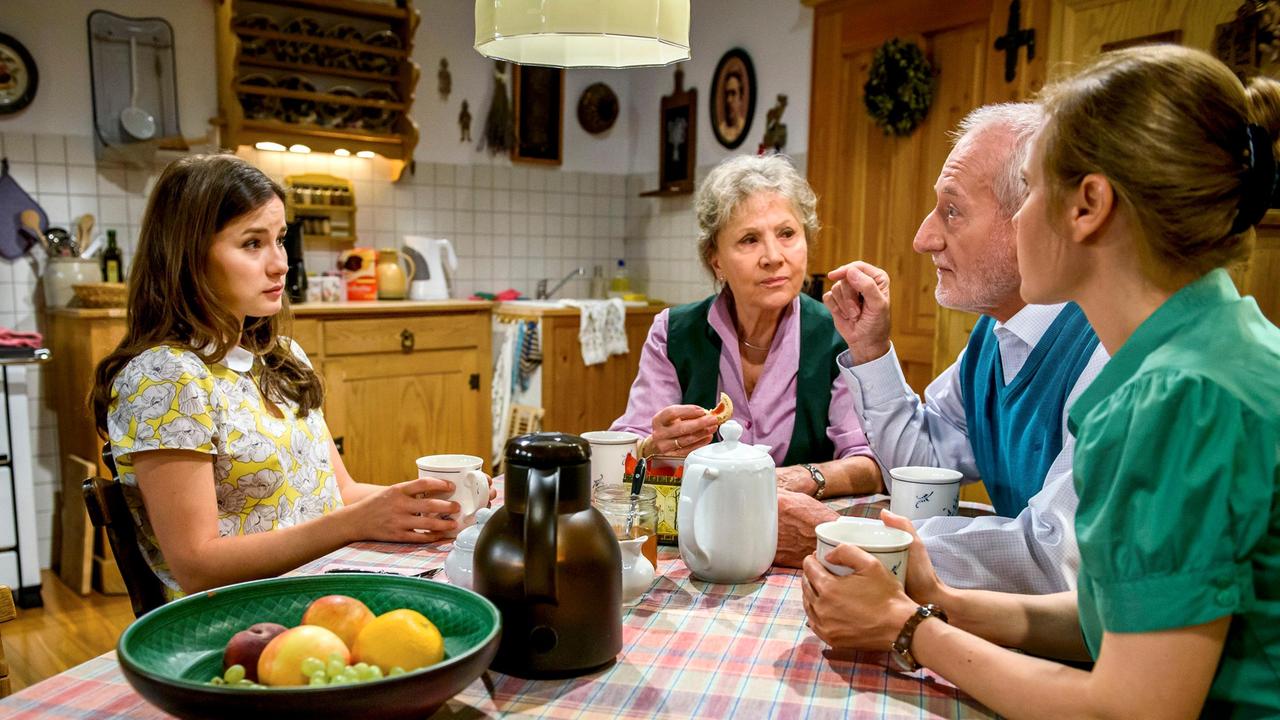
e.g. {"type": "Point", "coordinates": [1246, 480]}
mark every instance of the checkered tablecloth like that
{"type": "Point", "coordinates": [690, 649]}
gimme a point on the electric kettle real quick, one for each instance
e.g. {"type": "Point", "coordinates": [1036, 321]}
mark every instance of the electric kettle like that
{"type": "Point", "coordinates": [551, 564]}
{"type": "Point", "coordinates": [429, 281]}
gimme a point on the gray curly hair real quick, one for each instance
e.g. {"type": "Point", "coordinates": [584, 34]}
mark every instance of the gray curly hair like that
{"type": "Point", "coordinates": [738, 178]}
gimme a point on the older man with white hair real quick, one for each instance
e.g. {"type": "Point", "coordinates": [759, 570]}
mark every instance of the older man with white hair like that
{"type": "Point", "coordinates": [1000, 412]}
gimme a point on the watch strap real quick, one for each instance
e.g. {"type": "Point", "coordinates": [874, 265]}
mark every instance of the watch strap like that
{"type": "Point", "coordinates": [900, 649]}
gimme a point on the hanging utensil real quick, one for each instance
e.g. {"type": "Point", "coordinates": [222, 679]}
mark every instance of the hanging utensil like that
{"type": "Point", "coordinates": [136, 121]}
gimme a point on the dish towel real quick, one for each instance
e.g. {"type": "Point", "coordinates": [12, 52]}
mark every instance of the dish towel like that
{"type": "Point", "coordinates": [602, 330]}
{"type": "Point", "coordinates": [18, 339]}
{"type": "Point", "coordinates": [500, 391]}
{"type": "Point", "coordinates": [530, 353]}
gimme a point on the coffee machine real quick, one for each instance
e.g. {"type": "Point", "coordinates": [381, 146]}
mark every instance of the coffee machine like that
{"type": "Point", "coordinates": [295, 282]}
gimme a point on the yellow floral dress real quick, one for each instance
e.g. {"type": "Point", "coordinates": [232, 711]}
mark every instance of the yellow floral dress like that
{"type": "Point", "coordinates": [269, 472]}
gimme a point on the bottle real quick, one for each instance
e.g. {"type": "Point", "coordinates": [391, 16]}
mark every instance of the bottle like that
{"type": "Point", "coordinates": [112, 262]}
{"type": "Point", "coordinates": [620, 285]}
{"type": "Point", "coordinates": [597, 283]}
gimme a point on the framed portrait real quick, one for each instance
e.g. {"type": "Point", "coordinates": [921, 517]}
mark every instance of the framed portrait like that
{"type": "Point", "coordinates": [733, 98]}
{"type": "Point", "coordinates": [677, 140]}
{"type": "Point", "coordinates": [538, 115]}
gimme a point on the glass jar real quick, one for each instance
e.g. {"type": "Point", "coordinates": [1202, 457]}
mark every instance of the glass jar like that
{"type": "Point", "coordinates": [615, 503]}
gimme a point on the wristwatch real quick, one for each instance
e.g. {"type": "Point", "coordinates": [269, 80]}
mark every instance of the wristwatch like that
{"type": "Point", "coordinates": [900, 649]}
{"type": "Point", "coordinates": [818, 478]}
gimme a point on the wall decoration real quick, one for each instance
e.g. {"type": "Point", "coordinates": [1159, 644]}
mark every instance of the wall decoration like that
{"type": "Point", "coordinates": [775, 131]}
{"type": "Point", "coordinates": [1015, 37]}
{"type": "Point", "coordinates": [444, 81]}
{"type": "Point", "coordinates": [1251, 40]}
{"type": "Point", "coordinates": [733, 98]}
{"type": "Point", "coordinates": [899, 87]}
{"type": "Point", "coordinates": [538, 97]}
{"type": "Point", "coordinates": [498, 132]}
{"type": "Point", "coordinates": [19, 78]}
{"type": "Point", "coordinates": [597, 108]}
{"type": "Point", "coordinates": [464, 122]}
{"type": "Point", "coordinates": [677, 140]}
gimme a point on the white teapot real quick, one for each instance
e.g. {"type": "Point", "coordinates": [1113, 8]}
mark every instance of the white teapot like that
{"type": "Point", "coordinates": [728, 513]}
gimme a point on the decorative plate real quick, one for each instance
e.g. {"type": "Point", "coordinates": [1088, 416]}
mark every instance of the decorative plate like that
{"type": "Point", "coordinates": [18, 76]}
{"type": "Point", "coordinates": [597, 108]}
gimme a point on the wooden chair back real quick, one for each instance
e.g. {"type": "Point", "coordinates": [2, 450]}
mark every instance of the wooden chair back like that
{"type": "Point", "coordinates": [107, 509]}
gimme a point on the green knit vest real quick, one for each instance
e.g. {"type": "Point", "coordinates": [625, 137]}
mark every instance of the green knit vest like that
{"type": "Point", "coordinates": [693, 347]}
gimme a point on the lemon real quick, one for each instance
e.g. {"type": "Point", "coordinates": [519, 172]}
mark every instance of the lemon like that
{"type": "Point", "coordinates": [401, 638]}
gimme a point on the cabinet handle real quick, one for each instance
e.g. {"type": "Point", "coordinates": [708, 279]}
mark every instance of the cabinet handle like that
{"type": "Point", "coordinates": [474, 381]}
{"type": "Point", "coordinates": [406, 340]}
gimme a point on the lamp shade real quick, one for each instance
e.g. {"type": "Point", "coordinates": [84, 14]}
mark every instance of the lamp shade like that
{"type": "Point", "coordinates": [584, 33]}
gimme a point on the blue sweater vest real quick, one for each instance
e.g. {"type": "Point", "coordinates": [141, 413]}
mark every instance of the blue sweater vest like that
{"type": "Point", "coordinates": [1015, 430]}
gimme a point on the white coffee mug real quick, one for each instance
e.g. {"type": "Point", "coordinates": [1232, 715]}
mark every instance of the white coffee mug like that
{"type": "Point", "coordinates": [470, 484]}
{"type": "Point", "coordinates": [888, 545]}
{"type": "Point", "coordinates": [924, 492]}
{"type": "Point", "coordinates": [609, 450]}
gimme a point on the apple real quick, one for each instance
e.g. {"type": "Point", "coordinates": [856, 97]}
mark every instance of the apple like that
{"type": "Point", "coordinates": [281, 661]}
{"type": "Point", "coordinates": [246, 645]}
{"type": "Point", "coordinates": [344, 615]}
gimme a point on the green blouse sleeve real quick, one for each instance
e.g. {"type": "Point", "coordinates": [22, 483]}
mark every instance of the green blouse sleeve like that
{"type": "Point", "coordinates": [1174, 475]}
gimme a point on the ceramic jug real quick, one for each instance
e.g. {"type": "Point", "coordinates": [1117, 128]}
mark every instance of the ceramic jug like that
{"type": "Point", "coordinates": [550, 563]}
{"type": "Point", "coordinates": [637, 571]}
{"type": "Point", "coordinates": [393, 283]}
{"type": "Point", "coordinates": [728, 512]}
{"type": "Point", "coordinates": [460, 563]}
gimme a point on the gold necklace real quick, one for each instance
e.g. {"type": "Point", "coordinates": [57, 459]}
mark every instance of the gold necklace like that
{"type": "Point", "coordinates": [753, 347]}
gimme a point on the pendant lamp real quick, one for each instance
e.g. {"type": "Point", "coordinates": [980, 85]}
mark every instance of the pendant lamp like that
{"type": "Point", "coordinates": [584, 33]}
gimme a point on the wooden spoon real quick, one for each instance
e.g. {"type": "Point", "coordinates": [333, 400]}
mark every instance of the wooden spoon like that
{"type": "Point", "coordinates": [31, 221]}
{"type": "Point", "coordinates": [84, 230]}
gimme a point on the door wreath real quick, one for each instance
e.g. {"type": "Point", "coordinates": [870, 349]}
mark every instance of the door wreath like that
{"type": "Point", "coordinates": [899, 87]}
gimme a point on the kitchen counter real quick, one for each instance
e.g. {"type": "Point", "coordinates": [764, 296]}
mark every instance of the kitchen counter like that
{"type": "Point", "coordinates": [379, 307]}
{"type": "Point", "coordinates": [535, 309]}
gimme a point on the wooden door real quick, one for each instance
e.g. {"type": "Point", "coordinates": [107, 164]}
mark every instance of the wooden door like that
{"type": "Point", "coordinates": [577, 397]}
{"type": "Point", "coordinates": [1080, 30]}
{"type": "Point", "coordinates": [390, 408]}
{"type": "Point", "coordinates": [874, 189]}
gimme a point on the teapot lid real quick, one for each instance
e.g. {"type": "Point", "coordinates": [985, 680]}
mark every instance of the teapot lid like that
{"type": "Point", "coordinates": [730, 448]}
{"type": "Point", "coordinates": [547, 450]}
{"type": "Point", "coordinates": [466, 539]}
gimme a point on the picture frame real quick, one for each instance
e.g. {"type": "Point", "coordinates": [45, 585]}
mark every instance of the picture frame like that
{"type": "Point", "coordinates": [538, 114]}
{"type": "Point", "coordinates": [733, 98]}
{"type": "Point", "coordinates": [677, 140]}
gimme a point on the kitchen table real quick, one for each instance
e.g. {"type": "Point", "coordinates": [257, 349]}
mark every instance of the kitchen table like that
{"type": "Point", "coordinates": [690, 649]}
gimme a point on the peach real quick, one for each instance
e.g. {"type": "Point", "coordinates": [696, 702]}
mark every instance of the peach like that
{"type": "Point", "coordinates": [281, 661]}
{"type": "Point", "coordinates": [246, 646]}
{"type": "Point", "coordinates": [344, 615]}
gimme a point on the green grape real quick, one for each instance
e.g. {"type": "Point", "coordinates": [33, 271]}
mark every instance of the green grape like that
{"type": "Point", "coordinates": [319, 678]}
{"type": "Point", "coordinates": [338, 657]}
{"type": "Point", "coordinates": [339, 680]}
{"type": "Point", "coordinates": [217, 680]}
{"type": "Point", "coordinates": [234, 674]}
{"type": "Point", "coordinates": [361, 668]}
{"type": "Point", "coordinates": [395, 670]}
{"type": "Point", "coordinates": [375, 673]}
{"type": "Point", "coordinates": [312, 665]}
{"type": "Point", "coordinates": [350, 675]}
{"type": "Point", "coordinates": [243, 681]}
{"type": "Point", "coordinates": [335, 667]}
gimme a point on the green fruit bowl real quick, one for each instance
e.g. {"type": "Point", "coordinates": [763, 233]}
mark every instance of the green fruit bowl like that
{"type": "Point", "coordinates": [169, 654]}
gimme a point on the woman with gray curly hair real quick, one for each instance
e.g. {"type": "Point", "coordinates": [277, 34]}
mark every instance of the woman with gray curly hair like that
{"type": "Point", "coordinates": [758, 340]}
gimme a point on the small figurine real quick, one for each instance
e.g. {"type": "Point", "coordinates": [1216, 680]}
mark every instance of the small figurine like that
{"type": "Point", "coordinates": [775, 131]}
{"type": "Point", "coordinates": [464, 122]}
{"type": "Point", "coordinates": [445, 79]}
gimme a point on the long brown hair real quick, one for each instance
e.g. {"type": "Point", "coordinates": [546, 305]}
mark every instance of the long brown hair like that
{"type": "Point", "coordinates": [170, 300]}
{"type": "Point", "coordinates": [1167, 126]}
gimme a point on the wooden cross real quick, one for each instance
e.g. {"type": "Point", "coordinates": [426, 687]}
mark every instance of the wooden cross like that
{"type": "Point", "coordinates": [1013, 39]}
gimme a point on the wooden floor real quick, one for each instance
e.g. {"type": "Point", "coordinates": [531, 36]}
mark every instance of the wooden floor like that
{"type": "Point", "coordinates": [67, 631]}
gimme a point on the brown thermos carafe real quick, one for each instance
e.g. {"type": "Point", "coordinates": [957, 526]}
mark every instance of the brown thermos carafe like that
{"type": "Point", "coordinates": [551, 563]}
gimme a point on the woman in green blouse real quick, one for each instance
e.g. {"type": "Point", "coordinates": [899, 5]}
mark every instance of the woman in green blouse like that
{"type": "Point", "coordinates": [1151, 170]}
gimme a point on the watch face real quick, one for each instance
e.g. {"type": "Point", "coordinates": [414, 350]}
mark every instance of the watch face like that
{"type": "Point", "coordinates": [18, 76]}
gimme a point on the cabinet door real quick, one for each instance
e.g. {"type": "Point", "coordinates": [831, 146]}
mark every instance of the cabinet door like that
{"type": "Point", "coordinates": [389, 409]}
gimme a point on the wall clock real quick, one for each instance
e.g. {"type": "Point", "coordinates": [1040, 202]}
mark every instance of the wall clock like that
{"type": "Point", "coordinates": [18, 76]}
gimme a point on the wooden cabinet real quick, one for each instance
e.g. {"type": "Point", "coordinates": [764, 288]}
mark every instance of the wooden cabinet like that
{"type": "Point", "coordinates": [402, 379]}
{"type": "Point", "coordinates": [576, 397]}
{"type": "Point", "coordinates": [402, 385]}
{"type": "Point", "coordinates": [328, 74]}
